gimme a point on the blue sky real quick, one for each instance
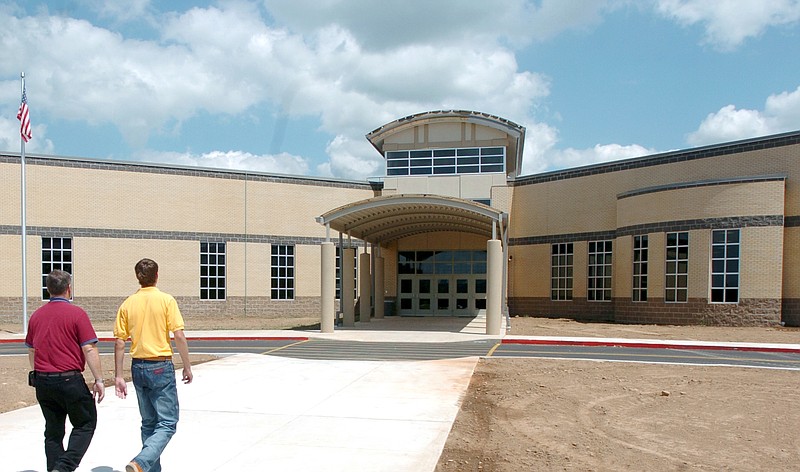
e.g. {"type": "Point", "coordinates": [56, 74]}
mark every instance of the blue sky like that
{"type": "Point", "coordinates": [292, 87]}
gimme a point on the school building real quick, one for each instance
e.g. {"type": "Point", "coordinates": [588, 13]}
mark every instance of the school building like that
{"type": "Point", "coordinates": [708, 235]}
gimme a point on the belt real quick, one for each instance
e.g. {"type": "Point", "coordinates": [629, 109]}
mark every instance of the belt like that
{"type": "Point", "coordinates": [68, 373]}
{"type": "Point", "coordinates": [154, 359]}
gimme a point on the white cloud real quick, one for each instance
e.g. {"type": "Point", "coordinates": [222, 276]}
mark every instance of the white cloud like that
{"type": "Point", "coordinates": [728, 23]}
{"type": "Point", "coordinates": [570, 157]}
{"type": "Point", "coordinates": [390, 24]}
{"type": "Point", "coordinates": [781, 113]}
{"type": "Point", "coordinates": [283, 163]}
{"type": "Point", "coordinates": [542, 155]}
{"type": "Point", "coordinates": [352, 158]}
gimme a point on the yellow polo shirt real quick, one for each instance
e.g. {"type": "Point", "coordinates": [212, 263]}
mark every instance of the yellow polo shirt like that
{"type": "Point", "coordinates": [147, 317]}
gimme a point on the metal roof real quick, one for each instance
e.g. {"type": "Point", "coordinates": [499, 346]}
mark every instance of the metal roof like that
{"type": "Point", "coordinates": [384, 219]}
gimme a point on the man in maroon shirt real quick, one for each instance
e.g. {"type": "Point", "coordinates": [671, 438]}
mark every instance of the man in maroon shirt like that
{"type": "Point", "coordinates": [61, 340]}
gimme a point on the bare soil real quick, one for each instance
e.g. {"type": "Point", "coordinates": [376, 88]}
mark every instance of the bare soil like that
{"type": "Point", "coordinates": [548, 415]}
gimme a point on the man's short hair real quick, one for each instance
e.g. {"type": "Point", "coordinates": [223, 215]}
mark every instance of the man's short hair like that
{"type": "Point", "coordinates": [146, 272]}
{"type": "Point", "coordinates": [57, 282]}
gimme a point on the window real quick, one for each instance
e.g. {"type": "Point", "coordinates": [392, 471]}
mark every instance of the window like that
{"type": "Point", "coordinates": [725, 266]}
{"type": "Point", "coordinates": [599, 279]}
{"type": "Point", "coordinates": [441, 262]}
{"type": "Point", "coordinates": [677, 270]}
{"type": "Point", "coordinates": [446, 161]}
{"type": "Point", "coordinates": [212, 271]}
{"type": "Point", "coordinates": [639, 269]}
{"type": "Point", "coordinates": [282, 272]}
{"type": "Point", "coordinates": [339, 273]}
{"type": "Point", "coordinates": [56, 254]}
{"type": "Point", "coordinates": [561, 271]}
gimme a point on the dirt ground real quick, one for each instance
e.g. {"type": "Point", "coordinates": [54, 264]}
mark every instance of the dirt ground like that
{"type": "Point", "coordinates": [549, 415]}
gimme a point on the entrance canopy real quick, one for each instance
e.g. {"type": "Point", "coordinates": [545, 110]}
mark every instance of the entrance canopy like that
{"type": "Point", "coordinates": [384, 219]}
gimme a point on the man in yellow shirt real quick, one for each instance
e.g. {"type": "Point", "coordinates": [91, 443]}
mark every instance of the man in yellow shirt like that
{"type": "Point", "coordinates": [147, 317]}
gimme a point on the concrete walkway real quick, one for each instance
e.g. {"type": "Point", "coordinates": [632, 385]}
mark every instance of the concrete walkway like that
{"type": "Point", "coordinates": [250, 412]}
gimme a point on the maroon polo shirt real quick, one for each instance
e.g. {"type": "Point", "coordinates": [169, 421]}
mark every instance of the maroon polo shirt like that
{"type": "Point", "coordinates": [56, 332]}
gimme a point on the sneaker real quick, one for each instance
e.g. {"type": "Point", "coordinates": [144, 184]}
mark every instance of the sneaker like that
{"type": "Point", "coordinates": [133, 467]}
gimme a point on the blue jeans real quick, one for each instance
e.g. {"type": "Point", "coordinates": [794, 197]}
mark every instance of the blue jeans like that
{"type": "Point", "coordinates": [157, 393]}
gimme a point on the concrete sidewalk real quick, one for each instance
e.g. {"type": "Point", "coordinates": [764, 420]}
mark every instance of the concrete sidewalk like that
{"type": "Point", "coordinates": [251, 412]}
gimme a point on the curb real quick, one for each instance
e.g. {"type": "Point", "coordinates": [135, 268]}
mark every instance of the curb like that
{"type": "Point", "coordinates": [655, 345]}
{"type": "Point", "coordinates": [199, 338]}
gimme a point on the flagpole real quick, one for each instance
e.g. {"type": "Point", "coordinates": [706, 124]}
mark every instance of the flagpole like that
{"type": "Point", "coordinates": [23, 226]}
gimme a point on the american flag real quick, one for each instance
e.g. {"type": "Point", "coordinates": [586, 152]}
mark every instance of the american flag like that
{"type": "Point", "coordinates": [24, 118]}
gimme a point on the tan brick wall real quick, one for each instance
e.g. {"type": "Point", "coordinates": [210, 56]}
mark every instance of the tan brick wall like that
{"type": "Point", "coordinates": [11, 255]}
{"type": "Point", "coordinates": [580, 261]}
{"type": "Point", "coordinates": [761, 262]}
{"type": "Point", "coordinates": [529, 271]}
{"type": "Point", "coordinates": [237, 255]}
{"type": "Point", "coordinates": [791, 263]}
{"type": "Point", "coordinates": [289, 209]}
{"type": "Point", "coordinates": [588, 203]}
{"type": "Point", "coordinates": [308, 262]}
{"type": "Point", "coordinates": [716, 201]}
{"type": "Point", "coordinates": [105, 267]}
{"type": "Point", "coordinates": [167, 202]}
{"type": "Point", "coordinates": [502, 196]}
{"type": "Point", "coordinates": [565, 206]}
{"type": "Point", "coordinates": [623, 267]}
{"type": "Point", "coordinates": [657, 264]}
{"type": "Point", "coordinates": [9, 183]}
{"type": "Point", "coordinates": [389, 253]}
{"type": "Point", "coordinates": [132, 200]}
{"type": "Point", "coordinates": [699, 264]}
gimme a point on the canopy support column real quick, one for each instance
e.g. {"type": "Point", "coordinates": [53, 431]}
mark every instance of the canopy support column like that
{"type": "Point", "coordinates": [364, 282]}
{"type": "Point", "coordinates": [379, 285]}
{"type": "Point", "coordinates": [348, 274]}
{"type": "Point", "coordinates": [494, 296]}
{"type": "Point", "coordinates": [327, 287]}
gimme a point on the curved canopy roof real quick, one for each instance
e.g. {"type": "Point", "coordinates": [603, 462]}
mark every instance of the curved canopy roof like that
{"type": "Point", "coordinates": [384, 219]}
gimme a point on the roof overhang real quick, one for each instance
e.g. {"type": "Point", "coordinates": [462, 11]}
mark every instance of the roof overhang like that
{"type": "Point", "coordinates": [384, 219]}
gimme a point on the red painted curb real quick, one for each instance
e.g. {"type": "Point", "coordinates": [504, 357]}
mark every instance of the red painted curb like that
{"type": "Point", "coordinates": [234, 338]}
{"type": "Point", "coordinates": [660, 345]}
{"type": "Point", "coordinates": [201, 338]}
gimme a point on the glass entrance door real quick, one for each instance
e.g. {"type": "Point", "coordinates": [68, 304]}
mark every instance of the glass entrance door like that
{"type": "Point", "coordinates": [441, 283]}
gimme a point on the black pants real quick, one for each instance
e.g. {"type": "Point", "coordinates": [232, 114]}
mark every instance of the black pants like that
{"type": "Point", "coordinates": [60, 397]}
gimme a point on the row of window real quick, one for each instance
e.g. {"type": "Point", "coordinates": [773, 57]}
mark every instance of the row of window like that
{"type": "Point", "coordinates": [57, 254]}
{"type": "Point", "coordinates": [725, 269]}
{"type": "Point", "coordinates": [478, 160]}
